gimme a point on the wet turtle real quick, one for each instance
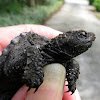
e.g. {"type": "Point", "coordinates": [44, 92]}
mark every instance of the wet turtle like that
{"type": "Point", "coordinates": [22, 60]}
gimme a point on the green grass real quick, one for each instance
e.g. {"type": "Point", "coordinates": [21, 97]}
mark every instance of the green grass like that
{"type": "Point", "coordinates": [28, 15]}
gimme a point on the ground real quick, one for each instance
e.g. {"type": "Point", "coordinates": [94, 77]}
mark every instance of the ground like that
{"type": "Point", "coordinates": [74, 15]}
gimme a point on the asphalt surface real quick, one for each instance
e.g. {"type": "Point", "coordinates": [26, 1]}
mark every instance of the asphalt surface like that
{"type": "Point", "coordinates": [75, 15]}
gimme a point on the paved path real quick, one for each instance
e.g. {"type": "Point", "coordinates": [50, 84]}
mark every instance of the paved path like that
{"type": "Point", "coordinates": [75, 14]}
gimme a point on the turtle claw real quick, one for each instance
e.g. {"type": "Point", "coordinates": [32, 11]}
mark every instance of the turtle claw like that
{"type": "Point", "coordinates": [36, 89]}
{"type": "Point", "coordinates": [67, 91]}
{"type": "Point", "coordinates": [72, 88]}
{"type": "Point", "coordinates": [28, 89]}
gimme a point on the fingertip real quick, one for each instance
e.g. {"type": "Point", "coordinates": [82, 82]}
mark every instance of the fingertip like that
{"type": "Point", "coordinates": [68, 96]}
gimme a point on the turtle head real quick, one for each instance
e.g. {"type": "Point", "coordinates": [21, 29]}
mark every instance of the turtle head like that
{"type": "Point", "coordinates": [75, 42]}
{"type": "Point", "coordinates": [69, 44]}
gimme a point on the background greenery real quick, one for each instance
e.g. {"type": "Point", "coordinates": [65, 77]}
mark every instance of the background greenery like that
{"type": "Point", "coordinates": [14, 12]}
{"type": "Point", "coordinates": [91, 2]}
{"type": "Point", "coordinates": [96, 3]}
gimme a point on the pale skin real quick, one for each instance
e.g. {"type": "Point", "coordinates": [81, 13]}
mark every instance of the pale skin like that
{"type": "Point", "coordinates": [6, 35]}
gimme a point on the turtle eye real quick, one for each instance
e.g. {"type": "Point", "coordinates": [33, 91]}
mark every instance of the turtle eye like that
{"type": "Point", "coordinates": [83, 34]}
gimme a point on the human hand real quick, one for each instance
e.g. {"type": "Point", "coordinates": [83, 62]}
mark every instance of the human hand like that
{"type": "Point", "coordinates": [8, 33]}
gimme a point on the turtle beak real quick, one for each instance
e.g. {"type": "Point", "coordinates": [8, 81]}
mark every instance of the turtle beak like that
{"type": "Point", "coordinates": [92, 36]}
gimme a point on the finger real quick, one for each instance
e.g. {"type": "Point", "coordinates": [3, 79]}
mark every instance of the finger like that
{"type": "Point", "coordinates": [13, 31]}
{"type": "Point", "coordinates": [8, 33]}
{"type": "Point", "coordinates": [52, 87]}
{"type": "Point", "coordinates": [68, 96]}
{"type": "Point", "coordinates": [21, 93]}
{"type": "Point", "coordinates": [44, 31]}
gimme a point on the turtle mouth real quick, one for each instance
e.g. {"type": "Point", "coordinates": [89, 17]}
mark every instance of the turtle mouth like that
{"type": "Point", "coordinates": [91, 37]}
{"type": "Point", "coordinates": [89, 41]}
{"type": "Point", "coordinates": [88, 44]}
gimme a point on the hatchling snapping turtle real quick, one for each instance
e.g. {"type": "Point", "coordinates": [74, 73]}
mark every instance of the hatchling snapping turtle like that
{"type": "Point", "coordinates": [22, 60]}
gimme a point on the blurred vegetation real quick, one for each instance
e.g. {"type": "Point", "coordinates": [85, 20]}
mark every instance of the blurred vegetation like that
{"type": "Point", "coordinates": [14, 12]}
{"type": "Point", "coordinates": [97, 4]}
{"type": "Point", "coordinates": [91, 2]}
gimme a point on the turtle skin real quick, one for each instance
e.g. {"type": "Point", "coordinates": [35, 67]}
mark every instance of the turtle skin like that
{"type": "Point", "coordinates": [22, 60]}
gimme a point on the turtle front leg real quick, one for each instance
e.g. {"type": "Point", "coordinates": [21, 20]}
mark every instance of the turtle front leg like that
{"type": "Point", "coordinates": [72, 74]}
{"type": "Point", "coordinates": [33, 74]}
{"type": "Point", "coordinates": [33, 77]}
